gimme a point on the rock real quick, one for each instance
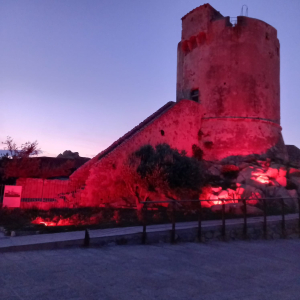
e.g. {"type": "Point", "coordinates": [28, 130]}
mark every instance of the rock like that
{"type": "Point", "coordinates": [243, 165]}
{"type": "Point", "coordinates": [213, 197]}
{"type": "Point", "coordinates": [271, 191]}
{"type": "Point", "coordinates": [255, 183]}
{"type": "Point", "coordinates": [216, 189]}
{"type": "Point", "coordinates": [282, 171]}
{"type": "Point", "coordinates": [281, 180]}
{"type": "Point", "coordinates": [296, 181]}
{"type": "Point", "coordinates": [13, 233]}
{"type": "Point", "coordinates": [275, 166]}
{"type": "Point", "coordinates": [281, 192]}
{"type": "Point", "coordinates": [232, 194]}
{"type": "Point", "coordinates": [251, 192]}
{"type": "Point", "coordinates": [293, 193]}
{"type": "Point", "coordinates": [223, 194]}
{"type": "Point", "coordinates": [237, 209]}
{"type": "Point", "coordinates": [239, 192]}
{"type": "Point", "coordinates": [294, 172]}
{"type": "Point", "coordinates": [215, 200]}
{"type": "Point", "coordinates": [272, 172]}
{"type": "Point", "coordinates": [213, 170]}
{"type": "Point", "coordinates": [244, 174]}
{"type": "Point", "coordinates": [206, 203]}
{"type": "Point", "coordinates": [249, 172]}
{"type": "Point", "coordinates": [218, 208]}
{"type": "Point", "coordinates": [252, 210]}
{"type": "Point", "coordinates": [68, 154]}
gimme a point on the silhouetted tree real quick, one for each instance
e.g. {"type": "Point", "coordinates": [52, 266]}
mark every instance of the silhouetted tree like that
{"type": "Point", "coordinates": [166, 171]}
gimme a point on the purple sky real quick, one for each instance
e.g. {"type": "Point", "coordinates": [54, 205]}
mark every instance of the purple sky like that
{"type": "Point", "coordinates": [77, 75]}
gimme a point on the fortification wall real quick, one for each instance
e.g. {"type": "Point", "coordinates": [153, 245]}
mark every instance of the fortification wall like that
{"type": "Point", "coordinates": [46, 194]}
{"type": "Point", "coordinates": [108, 178]}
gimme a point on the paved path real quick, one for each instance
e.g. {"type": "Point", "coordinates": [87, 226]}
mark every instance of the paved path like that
{"type": "Point", "coordinates": [255, 270]}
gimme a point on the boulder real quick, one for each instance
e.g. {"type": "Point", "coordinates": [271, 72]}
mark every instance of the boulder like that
{"type": "Point", "coordinates": [252, 210]}
{"type": "Point", "coordinates": [275, 165]}
{"type": "Point", "coordinates": [216, 189]}
{"type": "Point", "coordinates": [272, 172]}
{"type": "Point", "coordinates": [296, 180]}
{"type": "Point", "coordinates": [223, 194]}
{"type": "Point", "coordinates": [256, 183]}
{"type": "Point", "coordinates": [218, 208]}
{"type": "Point", "coordinates": [271, 191]}
{"type": "Point", "coordinates": [293, 193]}
{"type": "Point", "coordinates": [294, 172]}
{"type": "Point", "coordinates": [282, 171]}
{"type": "Point", "coordinates": [214, 170]}
{"type": "Point", "coordinates": [251, 192]}
{"type": "Point", "coordinates": [213, 197]}
{"type": "Point", "coordinates": [244, 174]}
{"type": "Point", "coordinates": [281, 181]}
{"type": "Point", "coordinates": [243, 165]}
{"type": "Point", "coordinates": [281, 192]}
{"type": "Point", "coordinates": [237, 209]}
{"type": "Point", "coordinates": [232, 194]}
{"type": "Point", "coordinates": [239, 191]}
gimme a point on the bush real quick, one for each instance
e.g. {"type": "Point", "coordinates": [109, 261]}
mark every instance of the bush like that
{"type": "Point", "coordinates": [168, 169]}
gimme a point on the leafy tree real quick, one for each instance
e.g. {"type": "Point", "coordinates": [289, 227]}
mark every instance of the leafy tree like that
{"type": "Point", "coordinates": [26, 150]}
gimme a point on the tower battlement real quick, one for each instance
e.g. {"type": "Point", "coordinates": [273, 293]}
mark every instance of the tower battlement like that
{"type": "Point", "coordinates": [222, 26]}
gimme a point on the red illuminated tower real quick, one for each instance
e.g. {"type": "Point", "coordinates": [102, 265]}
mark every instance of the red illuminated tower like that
{"type": "Point", "coordinates": [232, 71]}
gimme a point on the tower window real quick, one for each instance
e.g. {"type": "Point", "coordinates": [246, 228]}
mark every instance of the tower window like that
{"type": "Point", "coordinates": [195, 95]}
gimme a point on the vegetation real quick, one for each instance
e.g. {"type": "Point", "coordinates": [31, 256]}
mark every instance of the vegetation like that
{"type": "Point", "coordinates": [165, 171]}
{"type": "Point", "coordinates": [20, 162]}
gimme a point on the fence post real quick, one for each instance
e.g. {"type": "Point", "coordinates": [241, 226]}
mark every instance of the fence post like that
{"type": "Point", "coordinates": [200, 223]}
{"type": "Point", "coordinates": [245, 229]}
{"type": "Point", "coordinates": [144, 235]}
{"type": "Point", "coordinates": [173, 223]}
{"type": "Point", "coordinates": [283, 219]}
{"type": "Point", "coordinates": [299, 215]}
{"type": "Point", "coordinates": [265, 218]}
{"type": "Point", "coordinates": [223, 221]}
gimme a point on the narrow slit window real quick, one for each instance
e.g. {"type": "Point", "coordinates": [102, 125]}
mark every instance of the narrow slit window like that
{"type": "Point", "coordinates": [195, 95]}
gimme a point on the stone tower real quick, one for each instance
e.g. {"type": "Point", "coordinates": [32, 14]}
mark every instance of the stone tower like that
{"type": "Point", "coordinates": [232, 71]}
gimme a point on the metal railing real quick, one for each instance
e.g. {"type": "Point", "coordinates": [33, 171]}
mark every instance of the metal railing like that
{"type": "Point", "coordinates": [223, 215]}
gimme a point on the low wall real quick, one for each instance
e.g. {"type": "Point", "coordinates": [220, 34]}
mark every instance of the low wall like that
{"type": "Point", "coordinates": [46, 194]}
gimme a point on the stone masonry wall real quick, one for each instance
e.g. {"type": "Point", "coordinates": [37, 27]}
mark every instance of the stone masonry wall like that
{"type": "Point", "coordinates": [106, 182]}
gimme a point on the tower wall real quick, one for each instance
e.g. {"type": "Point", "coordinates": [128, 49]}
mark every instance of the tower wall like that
{"type": "Point", "coordinates": [236, 70]}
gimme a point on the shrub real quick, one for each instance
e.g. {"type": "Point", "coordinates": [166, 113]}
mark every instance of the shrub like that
{"type": "Point", "coordinates": [168, 170]}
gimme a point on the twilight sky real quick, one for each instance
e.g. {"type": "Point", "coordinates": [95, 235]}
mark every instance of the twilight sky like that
{"type": "Point", "coordinates": [77, 75]}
